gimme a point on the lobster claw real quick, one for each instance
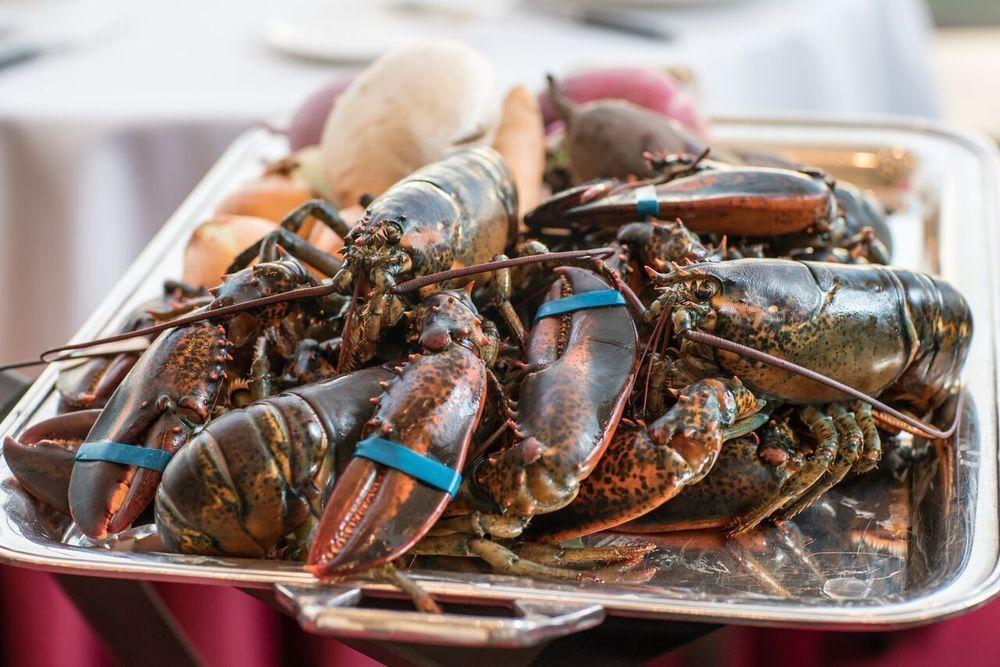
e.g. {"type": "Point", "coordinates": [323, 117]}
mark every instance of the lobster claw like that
{"type": "Point", "coordinates": [91, 383]}
{"type": "Point", "coordinates": [375, 513]}
{"type": "Point", "coordinates": [42, 457]}
{"type": "Point", "coordinates": [581, 368]}
{"type": "Point", "coordinates": [167, 393]}
{"type": "Point", "coordinates": [551, 213]}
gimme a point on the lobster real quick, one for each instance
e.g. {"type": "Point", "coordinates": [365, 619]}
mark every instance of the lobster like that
{"type": "Point", "coordinates": [893, 333]}
{"type": "Point", "coordinates": [253, 475]}
{"type": "Point", "coordinates": [176, 386]}
{"type": "Point", "coordinates": [790, 212]}
{"type": "Point", "coordinates": [402, 232]}
{"type": "Point", "coordinates": [455, 212]}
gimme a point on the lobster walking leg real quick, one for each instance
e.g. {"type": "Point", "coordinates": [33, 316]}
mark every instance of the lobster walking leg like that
{"type": "Point", "coordinates": [828, 443]}
{"type": "Point", "coordinates": [572, 564]}
{"type": "Point", "coordinates": [851, 442]}
{"type": "Point", "coordinates": [872, 452]}
{"type": "Point", "coordinates": [287, 236]}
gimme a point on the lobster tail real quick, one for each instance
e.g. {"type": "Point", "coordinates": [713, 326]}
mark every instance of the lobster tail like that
{"type": "Point", "coordinates": [247, 459]}
{"type": "Point", "coordinates": [942, 320]}
{"type": "Point", "coordinates": [252, 476]}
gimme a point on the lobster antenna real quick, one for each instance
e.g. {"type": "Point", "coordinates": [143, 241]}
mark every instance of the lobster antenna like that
{"type": "Point", "coordinates": [307, 293]}
{"type": "Point", "coordinates": [892, 416]}
{"type": "Point", "coordinates": [28, 363]}
{"type": "Point", "coordinates": [452, 274]}
{"type": "Point", "coordinates": [197, 316]}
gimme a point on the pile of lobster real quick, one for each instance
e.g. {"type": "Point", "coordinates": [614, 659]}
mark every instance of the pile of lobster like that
{"type": "Point", "coordinates": [430, 396]}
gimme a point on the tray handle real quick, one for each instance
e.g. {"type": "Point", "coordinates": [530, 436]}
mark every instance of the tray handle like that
{"type": "Point", "coordinates": [333, 610]}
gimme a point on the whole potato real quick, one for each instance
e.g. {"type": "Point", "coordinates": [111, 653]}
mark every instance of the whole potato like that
{"type": "Point", "coordinates": [215, 244]}
{"type": "Point", "coordinates": [409, 108]}
{"type": "Point", "coordinates": [272, 195]}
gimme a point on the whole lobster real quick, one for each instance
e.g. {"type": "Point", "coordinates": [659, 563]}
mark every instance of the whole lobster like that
{"type": "Point", "coordinates": [455, 212]}
{"type": "Point", "coordinates": [787, 212]}
{"type": "Point", "coordinates": [889, 332]}
{"type": "Point", "coordinates": [175, 387]}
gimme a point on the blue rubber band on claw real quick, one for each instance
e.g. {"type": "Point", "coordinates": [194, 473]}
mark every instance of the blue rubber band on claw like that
{"type": "Point", "coordinates": [584, 301]}
{"type": "Point", "coordinates": [419, 467]}
{"type": "Point", "coordinates": [646, 203]}
{"type": "Point", "coordinates": [130, 455]}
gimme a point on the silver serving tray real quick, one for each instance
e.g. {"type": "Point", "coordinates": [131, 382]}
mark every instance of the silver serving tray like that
{"type": "Point", "coordinates": [891, 550]}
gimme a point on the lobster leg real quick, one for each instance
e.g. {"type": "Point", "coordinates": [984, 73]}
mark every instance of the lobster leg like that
{"type": "Point", "coordinates": [260, 371]}
{"type": "Point", "coordinates": [827, 437]}
{"type": "Point", "coordinates": [562, 556]}
{"type": "Point", "coordinates": [479, 523]}
{"type": "Point", "coordinates": [872, 452]}
{"type": "Point", "coordinates": [500, 290]}
{"type": "Point", "coordinates": [646, 466]}
{"type": "Point", "coordinates": [574, 564]}
{"type": "Point", "coordinates": [287, 237]}
{"type": "Point", "coordinates": [851, 442]}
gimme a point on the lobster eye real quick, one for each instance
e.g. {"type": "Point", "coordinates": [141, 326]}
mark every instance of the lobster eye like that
{"type": "Point", "coordinates": [705, 290]}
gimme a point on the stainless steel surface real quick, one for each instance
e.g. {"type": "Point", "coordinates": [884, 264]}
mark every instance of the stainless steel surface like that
{"type": "Point", "coordinates": [332, 610]}
{"type": "Point", "coordinates": [886, 551]}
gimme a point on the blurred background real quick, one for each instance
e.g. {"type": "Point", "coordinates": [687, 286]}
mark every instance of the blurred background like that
{"type": "Point", "coordinates": [110, 112]}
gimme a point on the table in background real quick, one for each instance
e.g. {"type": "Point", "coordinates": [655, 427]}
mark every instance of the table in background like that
{"type": "Point", "coordinates": [99, 145]}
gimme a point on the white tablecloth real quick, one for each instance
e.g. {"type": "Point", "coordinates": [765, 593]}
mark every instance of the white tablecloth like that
{"type": "Point", "coordinates": [99, 145]}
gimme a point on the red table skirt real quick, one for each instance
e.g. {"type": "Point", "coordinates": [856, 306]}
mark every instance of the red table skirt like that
{"type": "Point", "coordinates": [41, 627]}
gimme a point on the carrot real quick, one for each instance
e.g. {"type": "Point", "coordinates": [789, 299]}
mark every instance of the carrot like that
{"type": "Point", "coordinates": [521, 141]}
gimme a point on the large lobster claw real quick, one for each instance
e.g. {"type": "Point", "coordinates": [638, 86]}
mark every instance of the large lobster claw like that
{"type": "Point", "coordinates": [375, 513]}
{"type": "Point", "coordinates": [582, 367]}
{"type": "Point", "coordinates": [552, 212]}
{"type": "Point", "coordinates": [254, 475]}
{"type": "Point", "coordinates": [41, 458]}
{"type": "Point", "coordinates": [89, 384]}
{"type": "Point", "coordinates": [745, 201]}
{"type": "Point", "coordinates": [167, 393]}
